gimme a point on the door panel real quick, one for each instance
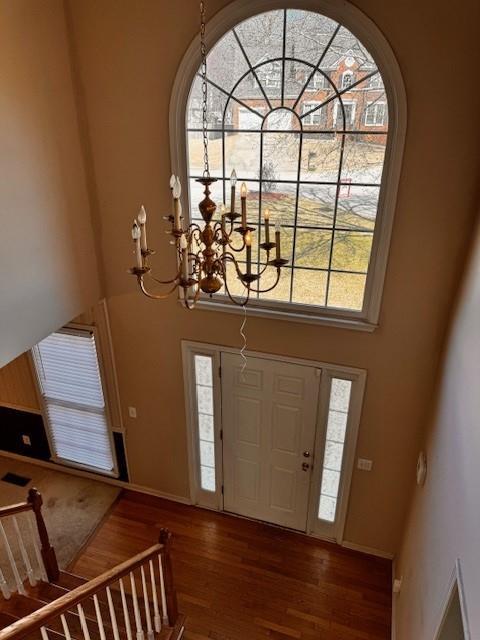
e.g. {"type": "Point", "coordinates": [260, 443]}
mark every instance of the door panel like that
{"type": "Point", "coordinates": [269, 417]}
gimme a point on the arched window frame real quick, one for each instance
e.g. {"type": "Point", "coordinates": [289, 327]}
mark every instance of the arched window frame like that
{"type": "Point", "coordinates": [372, 38]}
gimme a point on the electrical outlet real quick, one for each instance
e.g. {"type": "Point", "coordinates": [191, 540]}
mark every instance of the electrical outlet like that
{"type": "Point", "coordinates": [26, 440]}
{"type": "Point", "coordinates": [132, 412]}
{"type": "Point", "coordinates": [364, 465]}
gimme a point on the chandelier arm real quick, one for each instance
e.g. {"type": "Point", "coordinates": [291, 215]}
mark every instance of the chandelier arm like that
{"type": "Point", "coordinates": [231, 223]}
{"type": "Point", "coordinates": [197, 263]}
{"type": "Point", "coordinates": [265, 267]}
{"type": "Point", "coordinates": [236, 249]}
{"type": "Point", "coordinates": [154, 296]}
{"type": "Point", "coordinates": [219, 234]}
{"type": "Point", "coordinates": [193, 226]}
{"type": "Point", "coordinates": [241, 303]}
{"type": "Point", "coordinates": [165, 281]}
{"type": "Point", "coordinates": [273, 285]}
{"type": "Point", "coordinates": [230, 258]}
{"type": "Point", "coordinates": [186, 300]}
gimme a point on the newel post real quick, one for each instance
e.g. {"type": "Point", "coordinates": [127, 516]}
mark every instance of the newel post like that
{"type": "Point", "coordinates": [170, 591]}
{"type": "Point", "coordinates": [47, 551]}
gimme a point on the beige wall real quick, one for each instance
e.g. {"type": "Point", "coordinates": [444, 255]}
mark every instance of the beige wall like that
{"type": "Point", "coordinates": [48, 270]}
{"type": "Point", "coordinates": [17, 385]}
{"type": "Point", "coordinates": [128, 52]}
{"type": "Point", "coordinates": [444, 522]}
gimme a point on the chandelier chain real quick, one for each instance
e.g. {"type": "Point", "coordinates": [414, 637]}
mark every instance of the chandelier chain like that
{"type": "Point", "coordinates": [203, 52]}
{"type": "Point", "coordinates": [205, 252]}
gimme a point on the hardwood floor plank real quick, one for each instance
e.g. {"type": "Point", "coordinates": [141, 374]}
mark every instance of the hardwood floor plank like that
{"type": "Point", "coordinates": [243, 580]}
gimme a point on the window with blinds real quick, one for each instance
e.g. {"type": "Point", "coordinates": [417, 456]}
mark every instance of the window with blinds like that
{"type": "Point", "coordinates": [71, 386]}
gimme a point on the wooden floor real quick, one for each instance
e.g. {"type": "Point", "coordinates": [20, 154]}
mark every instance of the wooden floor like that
{"type": "Point", "coordinates": [242, 580]}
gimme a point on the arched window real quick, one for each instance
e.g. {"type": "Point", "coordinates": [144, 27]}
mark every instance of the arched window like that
{"type": "Point", "coordinates": [302, 110]}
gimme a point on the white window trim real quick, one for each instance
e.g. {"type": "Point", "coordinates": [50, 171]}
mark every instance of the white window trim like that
{"type": "Point", "coordinates": [311, 104]}
{"type": "Point", "coordinates": [317, 82]}
{"type": "Point", "coordinates": [353, 103]}
{"type": "Point", "coordinates": [366, 30]}
{"type": "Point", "coordinates": [373, 104]}
{"type": "Point", "coordinates": [315, 526]}
{"type": "Point", "coordinates": [375, 83]}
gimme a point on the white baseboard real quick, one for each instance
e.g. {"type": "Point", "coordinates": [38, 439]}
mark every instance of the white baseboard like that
{"type": "Point", "coordinates": [369, 550]}
{"type": "Point", "coordinates": [93, 476]}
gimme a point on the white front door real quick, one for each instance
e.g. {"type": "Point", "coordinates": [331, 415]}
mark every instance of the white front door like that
{"type": "Point", "coordinates": [269, 414]}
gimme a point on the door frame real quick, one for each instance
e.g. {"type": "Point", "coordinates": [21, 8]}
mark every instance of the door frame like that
{"type": "Point", "coordinates": [214, 500]}
{"type": "Point", "coordinates": [455, 584]}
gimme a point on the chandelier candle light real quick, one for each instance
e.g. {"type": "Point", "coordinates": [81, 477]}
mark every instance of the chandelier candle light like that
{"type": "Point", "coordinates": [205, 251]}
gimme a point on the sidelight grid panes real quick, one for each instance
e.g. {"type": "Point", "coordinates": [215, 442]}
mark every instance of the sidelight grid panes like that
{"type": "Point", "coordinates": [334, 447]}
{"type": "Point", "coordinates": [293, 101]}
{"type": "Point", "coordinates": [205, 417]}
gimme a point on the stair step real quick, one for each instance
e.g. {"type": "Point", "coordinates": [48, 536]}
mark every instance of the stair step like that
{"type": "Point", "coordinates": [46, 592]}
{"type": "Point", "coordinates": [6, 619]}
{"type": "Point", "coordinates": [36, 635]}
{"type": "Point", "coordinates": [21, 606]}
{"type": "Point", "coordinates": [69, 581]}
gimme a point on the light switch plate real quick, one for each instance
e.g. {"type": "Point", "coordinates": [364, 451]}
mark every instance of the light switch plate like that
{"type": "Point", "coordinates": [132, 412]}
{"type": "Point", "coordinates": [364, 465]}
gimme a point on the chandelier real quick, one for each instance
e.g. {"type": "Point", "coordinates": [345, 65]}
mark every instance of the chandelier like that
{"type": "Point", "coordinates": [204, 252]}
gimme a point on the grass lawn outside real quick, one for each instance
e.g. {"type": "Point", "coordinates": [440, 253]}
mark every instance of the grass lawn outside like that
{"type": "Point", "coordinates": [331, 261]}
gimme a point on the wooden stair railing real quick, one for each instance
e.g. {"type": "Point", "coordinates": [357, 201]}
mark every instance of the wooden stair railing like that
{"type": "Point", "coordinates": [43, 564]}
{"type": "Point", "coordinates": [144, 606]}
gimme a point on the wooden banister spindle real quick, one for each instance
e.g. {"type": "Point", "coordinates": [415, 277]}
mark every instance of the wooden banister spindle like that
{"type": "Point", "coordinates": [11, 559]}
{"type": "Point", "coordinates": [23, 553]}
{"type": "Point", "coordinates": [166, 564]}
{"type": "Point", "coordinates": [146, 604]}
{"type": "Point", "coordinates": [126, 614]}
{"type": "Point", "coordinates": [34, 536]}
{"type": "Point", "coordinates": [113, 616]}
{"type": "Point", "coordinates": [157, 622]}
{"type": "Point", "coordinates": [136, 609]}
{"type": "Point", "coordinates": [47, 551]}
{"type": "Point", "coordinates": [98, 613]}
{"type": "Point", "coordinates": [66, 630]}
{"type": "Point", "coordinates": [43, 633]}
{"type": "Point", "coordinates": [6, 593]}
{"type": "Point", "coordinates": [83, 622]}
{"type": "Point", "coordinates": [162, 592]}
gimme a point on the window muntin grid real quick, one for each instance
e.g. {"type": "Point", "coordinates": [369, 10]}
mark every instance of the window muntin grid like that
{"type": "Point", "coordinates": [331, 179]}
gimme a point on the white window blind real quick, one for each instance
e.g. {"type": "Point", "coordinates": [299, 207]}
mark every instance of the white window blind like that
{"type": "Point", "coordinates": [69, 377]}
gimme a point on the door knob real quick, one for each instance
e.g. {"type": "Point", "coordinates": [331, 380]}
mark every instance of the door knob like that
{"type": "Point", "coordinates": [306, 454]}
{"type": "Point", "coordinates": [305, 466]}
